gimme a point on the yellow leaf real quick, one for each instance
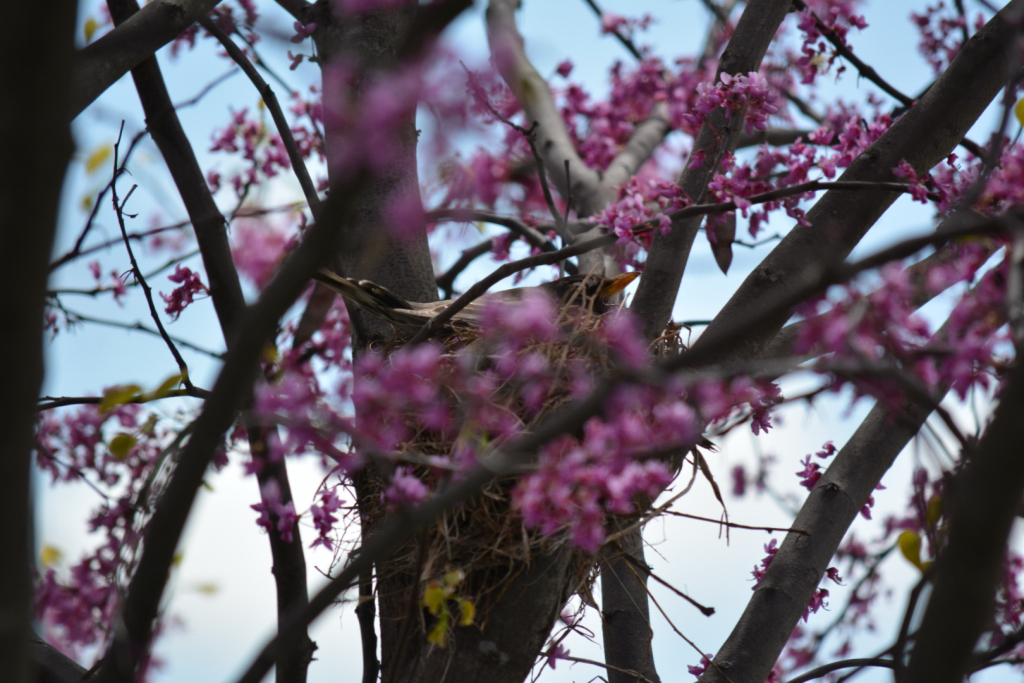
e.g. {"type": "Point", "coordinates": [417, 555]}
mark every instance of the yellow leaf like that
{"type": "Point", "coordinates": [207, 588]}
{"type": "Point", "coordinates": [1018, 110]}
{"type": "Point", "coordinates": [434, 597]}
{"type": "Point", "coordinates": [453, 578]}
{"type": "Point", "coordinates": [934, 510]}
{"type": "Point", "coordinates": [119, 395]}
{"type": "Point", "coordinates": [97, 157]}
{"type": "Point", "coordinates": [176, 560]}
{"type": "Point", "coordinates": [167, 385]}
{"type": "Point", "coordinates": [121, 445]}
{"type": "Point", "coordinates": [261, 105]}
{"type": "Point", "coordinates": [270, 353]}
{"type": "Point", "coordinates": [149, 426]}
{"type": "Point", "coordinates": [437, 633]}
{"type": "Point", "coordinates": [90, 28]}
{"type": "Point", "coordinates": [910, 545]}
{"type": "Point", "coordinates": [49, 556]}
{"type": "Point", "coordinates": [87, 202]}
{"type": "Point", "coordinates": [468, 612]}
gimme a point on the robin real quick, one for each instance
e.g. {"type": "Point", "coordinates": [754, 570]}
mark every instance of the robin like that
{"type": "Point", "coordinates": [592, 291]}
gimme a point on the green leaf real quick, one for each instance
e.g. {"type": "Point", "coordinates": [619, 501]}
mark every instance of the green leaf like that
{"type": "Point", "coordinates": [119, 395]}
{"type": "Point", "coordinates": [121, 445]}
{"type": "Point", "coordinates": [910, 545]}
{"type": "Point", "coordinates": [167, 386]}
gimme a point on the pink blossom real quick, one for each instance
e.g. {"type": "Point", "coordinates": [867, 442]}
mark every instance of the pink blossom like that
{"type": "Point", "coordinates": [303, 31]}
{"type": "Point", "coordinates": [189, 285]}
{"type": "Point", "coordinates": [405, 489]}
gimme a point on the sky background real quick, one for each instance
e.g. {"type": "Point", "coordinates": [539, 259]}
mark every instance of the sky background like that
{"type": "Point", "coordinates": [222, 595]}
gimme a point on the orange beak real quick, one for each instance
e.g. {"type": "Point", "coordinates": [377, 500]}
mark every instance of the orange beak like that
{"type": "Point", "coordinates": [619, 283]}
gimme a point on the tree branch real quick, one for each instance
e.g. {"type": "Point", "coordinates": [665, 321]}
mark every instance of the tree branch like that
{"type": "Point", "coordinates": [641, 145]}
{"type": "Point", "coordinates": [983, 502]}
{"type": "Point", "coordinates": [225, 289]}
{"type": "Point", "coordinates": [257, 324]}
{"type": "Point", "coordinates": [530, 89]}
{"type": "Point", "coordinates": [101, 64]}
{"type": "Point", "coordinates": [923, 136]}
{"type": "Point", "coordinates": [666, 261]}
{"type": "Point", "coordinates": [36, 145]}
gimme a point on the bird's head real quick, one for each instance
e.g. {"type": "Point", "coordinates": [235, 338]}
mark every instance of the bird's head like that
{"type": "Point", "coordinates": [590, 291]}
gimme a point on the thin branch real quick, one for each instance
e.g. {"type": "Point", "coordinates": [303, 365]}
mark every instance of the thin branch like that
{"type": "Point", "coordinates": [136, 236]}
{"type": "Point", "coordinates": [842, 664]}
{"type": "Point", "coordinates": [634, 675]}
{"type": "Point", "coordinates": [52, 402]}
{"type": "Point", "coordinates": [531, 139]}
{"type": "Point", "coordinates": [776, 137]}
{"type": "Point", "coordinates": [446, 282]}
{"type": "Point", "coordinates": [436, 323]}
{"type": "Point", "coordinates": [646, 571]}
{"type": "Point", "coordinates": [270, 100]}
{"type": "Point", "coordinates": [146, 289]}
{"type": "Point", "coordinates": [899, 648]}
{"type": "Point", "coordinates": [534, 94]}
{"type": "Point", "coordinates": [246, 213]}
{"type": "Point", "coordinates": [626, 41]}
{"type": "Point", "coordinates": [207, 89]}
{"type": "Point", "coordinates": [803, 107]}
{"type": "Point", "coordinates": [734, 525]}
{"type": "Point", "coordinates": [257, 324]}
{"type": "Point", "coordinates": [77, 249]}
{"type": "Point", "coordinates": [74, 317]}
{"type": "Point", "coordinates": [531, 235]}
{"type": "Point", "coordinates": [843, 49]}
{"type": "Point", "coordinates": [262, 64]}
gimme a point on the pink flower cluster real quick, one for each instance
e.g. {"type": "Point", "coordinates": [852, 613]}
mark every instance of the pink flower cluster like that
{"type": "Point", "coordinates": [259, 244]}
{"type": "Point", "coordinates": [76, 604]}
{"type": "Point", "coordinates": [639, 205]}
{"type": "Point", "coordinates": [274, 513]}
{"type": "Point", "coordinates": [264, 150]}
{"type": "Point", "coordinates": [483, 393]}
{"type": "Point", "coordinates": [624, 26]}
{"type": "Point", "coordinates": [749, 93]}
{"type": "Point", "coordinates": [189, 285]}
{"type": "Point", "coordinates": [323, 518]}
{"type": "Point", "coordinates": [941, 29]}
{"type": "Point", "coordinates": [837, 18]}
{"type": "Point", "coordinates": [577, 483]}
{"type": "Point", "coordinates": [811, 472]}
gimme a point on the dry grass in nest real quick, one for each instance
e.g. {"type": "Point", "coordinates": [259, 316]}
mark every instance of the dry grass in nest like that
{"type": "Point", "coordinates": [485, 537]}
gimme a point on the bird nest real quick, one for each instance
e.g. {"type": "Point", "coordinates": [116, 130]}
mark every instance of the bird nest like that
{"type": "Point", "coordinates": [486, 538]}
